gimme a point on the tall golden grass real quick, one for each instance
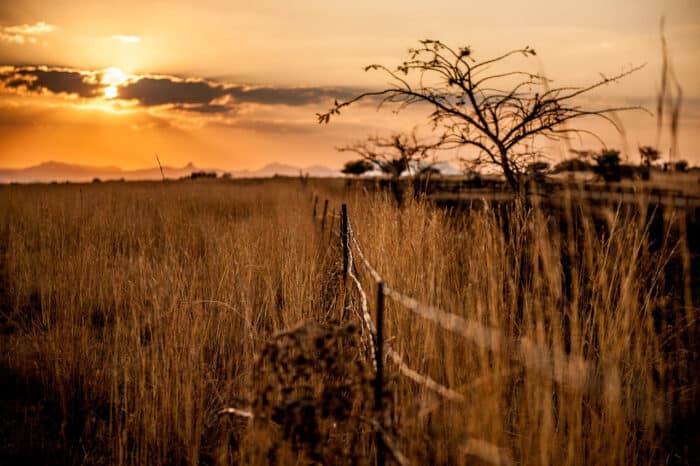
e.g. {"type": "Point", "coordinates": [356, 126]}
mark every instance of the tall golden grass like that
{"type": "Point", "coordinates": [143, 309]}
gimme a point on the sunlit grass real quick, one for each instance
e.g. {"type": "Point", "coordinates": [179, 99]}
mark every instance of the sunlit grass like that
{"type": "Point", "coordinates": [140, 309]}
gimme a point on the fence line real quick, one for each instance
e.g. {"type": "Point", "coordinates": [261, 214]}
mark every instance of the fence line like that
{"type": "Point", "coordinates": [572, 372]}
{"type": "Point", "coordinates": [569, 372]}
{"type": "Point", "coordinates": [395, 357]}
{"type": "Point", "coordinates": [404, 369]}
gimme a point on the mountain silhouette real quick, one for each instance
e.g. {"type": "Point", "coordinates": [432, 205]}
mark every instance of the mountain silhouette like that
{"type": "Point", "coordinates": [58, 171]}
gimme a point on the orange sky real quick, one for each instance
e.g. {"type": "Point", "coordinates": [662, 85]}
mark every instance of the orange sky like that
{"type": "Point", "coordinates": [236, 85]}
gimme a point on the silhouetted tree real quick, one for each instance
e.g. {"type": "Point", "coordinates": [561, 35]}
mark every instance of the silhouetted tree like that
{"type": "Point", "coordinates": [393, 154]}
{"type": "Point", "coordinates": [681, 166]}
{"type": "Point", "coordinates": [649, 155]}
{"type": "Point", "coordinates": [202, 174]}
{"type": "Point", "coordinates": [575, 164]}
{"type": "Point", "coordinates": [499, 113]}
{"type": "Point", "coordinates": [357, 167]}
{"type": "Point", "coordinates": [608, 164]}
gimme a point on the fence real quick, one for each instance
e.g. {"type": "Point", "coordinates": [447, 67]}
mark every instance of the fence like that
{"type": "Point", "coordinates": [568, 372]}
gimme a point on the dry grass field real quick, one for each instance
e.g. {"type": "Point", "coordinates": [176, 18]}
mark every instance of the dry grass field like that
{"type": "Point", "coordinates": [132, 314]}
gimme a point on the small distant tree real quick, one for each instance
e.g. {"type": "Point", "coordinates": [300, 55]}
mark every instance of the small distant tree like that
{"type": "Point", "coordinates": [649, 155]}
{"type": "Point", "coordinates": [608, 165]}
{"type": "Point", "coordinates": [575, 164]}
{"type": "Point", "coordinates": [202, 174]}
{"type": "Point", "coordinates": [538, 170]}
{"type": "Point", "coordinates": [497, 113]}
{"type": "Point", "coordinates": [96, 180]}
{"type": "Point", "coordinates": [393, 154]}
{"type": "Point", "coordinates": [681, 166]}
{"type": "Point", "coordinates": [538, 167]}
{"type": "Point", "coordinates": [357, 167]}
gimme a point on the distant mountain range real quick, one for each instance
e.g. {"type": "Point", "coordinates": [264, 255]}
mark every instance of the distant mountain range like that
{"type": "Point", "coordinates": [56, 171]}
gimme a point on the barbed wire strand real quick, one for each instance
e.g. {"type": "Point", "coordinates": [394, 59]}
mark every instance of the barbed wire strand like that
{"type": "Point", "coordinates": [375, 275]}
{"type": "Point", "coordinates": [366, 318]}
{"type": "Point", "coordinates": [422, 379]}
{"type": "Point", "coordinates": [235, 412]}
{"type": "Point", "coordinates": [404, 369]}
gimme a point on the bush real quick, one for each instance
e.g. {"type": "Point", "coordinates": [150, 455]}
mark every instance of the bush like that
{"type": "Point", "coordinates": [681, 166]}
{"type": "Point", "coordinates": [357, 167]}
{"type": "Point", "coordinates": [202, 174]}
{"type": "Point", "coordinates": [608, 165]}
{"type": "Point", "coordinates": [572, 165]}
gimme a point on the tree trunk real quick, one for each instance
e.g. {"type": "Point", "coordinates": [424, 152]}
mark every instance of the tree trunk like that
{"type": "Point", "coordinates": [511, 177]}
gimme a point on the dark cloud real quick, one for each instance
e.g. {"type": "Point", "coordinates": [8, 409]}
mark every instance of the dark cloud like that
{"type": "Point", "coordinates": [166, 90]}
{"type": "Point", "coordinates": [35, 79]}
{"type": "Point", "coordinates": [194, 95]}
{"type": "Point", "coordinates": [274, 127]}
{"type": "Point", "coordinates": [204, 108]}
{"type": "Point", "coordinates": [286, 96]}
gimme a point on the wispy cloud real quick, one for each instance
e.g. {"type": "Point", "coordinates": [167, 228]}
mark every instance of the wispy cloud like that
{"type": "Point", "coordinates": [25, 33]}
{"type": "Point", "coordinates": [126, 39]}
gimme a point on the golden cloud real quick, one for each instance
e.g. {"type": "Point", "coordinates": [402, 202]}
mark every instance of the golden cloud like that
{"type": "Point", "coordinates": [25, 33]}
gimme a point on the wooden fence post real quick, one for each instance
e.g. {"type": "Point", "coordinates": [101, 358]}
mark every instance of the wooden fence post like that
{"type": "Point", "coordinates": [315, 202]}
{"type": "Point", "coordinates": [344, 239]}
{"type": "Point", "coordinates": [379, 381]}
{"type": "Point", "coordinates": [323, 217]}
{"type": "Point", "coordinates": [330, 230]}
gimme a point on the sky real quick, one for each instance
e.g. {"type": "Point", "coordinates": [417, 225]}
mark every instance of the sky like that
{"type": "Point", "coordinates": [237, 84]}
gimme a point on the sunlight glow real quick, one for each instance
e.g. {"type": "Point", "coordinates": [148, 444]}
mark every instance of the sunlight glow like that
{"type": "Point", "coordinates": [111, 92]}
{"type": "Point", "coordinates": [113, 77]}
{"type": "Point", "coordinates": [126, 39]}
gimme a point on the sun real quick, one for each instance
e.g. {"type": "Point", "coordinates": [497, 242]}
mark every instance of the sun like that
{"type": "Point", "coordinates": [112, 78]}
{"type": "Point", "coordinates": [111, 92]}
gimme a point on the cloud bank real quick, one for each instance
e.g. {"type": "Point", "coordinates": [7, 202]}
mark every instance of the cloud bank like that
{"type": "Point", "coordinates": [185, 94]}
